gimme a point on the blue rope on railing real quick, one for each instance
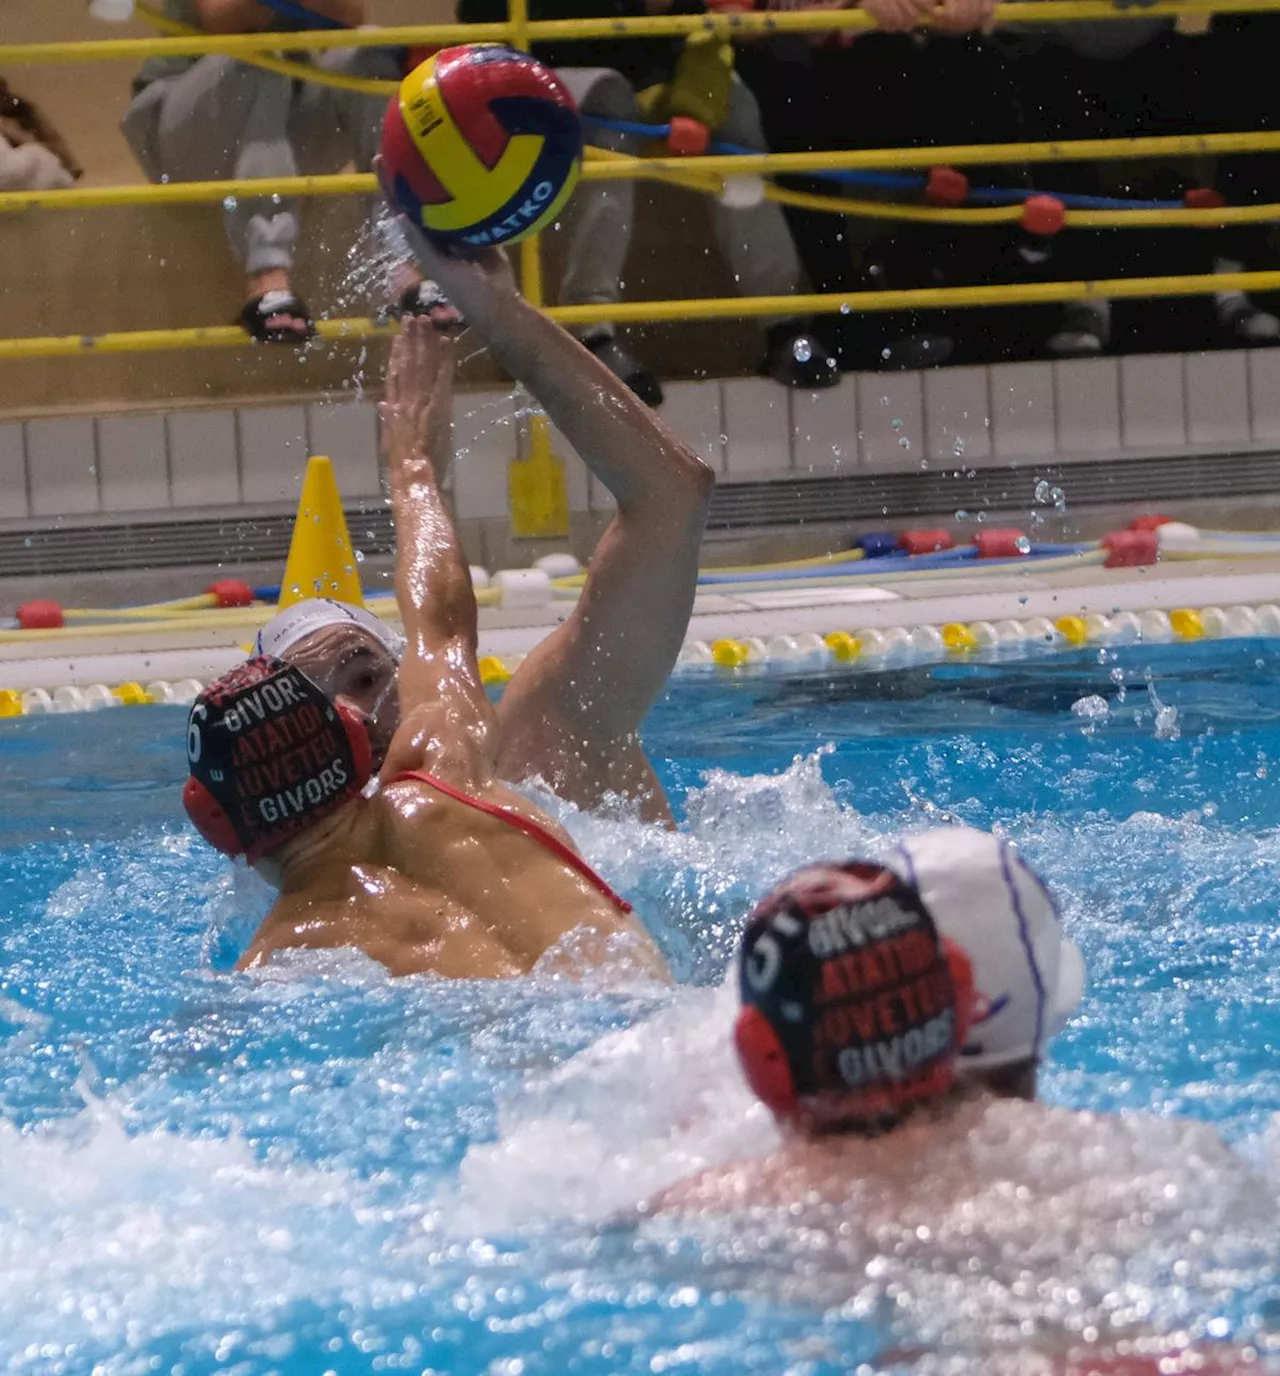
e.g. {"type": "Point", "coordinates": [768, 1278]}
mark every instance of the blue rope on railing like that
{"type": "Point", "coordinates": [890, 563]}
{"type": "Point", "coordinates": [891, 181]}
{"type": "Point", "coordinates": [301, 15]}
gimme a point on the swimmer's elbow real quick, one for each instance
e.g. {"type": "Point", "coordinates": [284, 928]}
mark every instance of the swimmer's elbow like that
{"type": "Point", "coordinates": [690, 482]}
{"type": "Point", "coordinates": [697, 473]}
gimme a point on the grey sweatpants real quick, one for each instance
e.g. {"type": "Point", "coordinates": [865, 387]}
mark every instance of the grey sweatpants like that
{"type": "Point", "coordinates": [756, 242]}
{"type": "Point", "coordinates": [222, 118]}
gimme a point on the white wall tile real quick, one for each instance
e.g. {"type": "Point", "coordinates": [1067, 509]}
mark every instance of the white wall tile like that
{"type": "Point", "coordinates": [133, 463]}
{"type": "Point", "coordinates": [1087, 397]}
{"type": "Point", "coordinates": [599, 498]}
{"type": "Point", "coordinates": [694, 411]}
{"type": "Point", "coordinates": [347, 433]}
{"type": "Point", "coordinates": [824, 429]}
{"type": "Point", "coordinates": [1152, 401]}
{"type": "Point", "coordinates": [576, 477]}
{"type": "Point", "coordinates": [62, 464]}
{"type": "Point", "coordinates": [890, 411]}
{"type": "Point", "coordinates": [1023, 414]}
{"type": "Point", "coordinates": [757, 421]}
{"type": "Point", "coordinates": [957, 416]}
{"type": "Point", "coordinates": [1264, 393]}
{"type": "Point", "coordinates": [484, 443]}
{"type": "Point", "coordinates": [273, 452]}
{"type": "Point", "coordinates": [1217, 397]}
{"type": "Point", "coordinates": [204, 469]}
{"type": "Point", "coordinates": [13, 471]}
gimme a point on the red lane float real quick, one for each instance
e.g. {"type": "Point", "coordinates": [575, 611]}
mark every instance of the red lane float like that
{"type": "Point", "coordinates": [41, 616]}
{"type": "Point", "coordinates": [1002, 544]}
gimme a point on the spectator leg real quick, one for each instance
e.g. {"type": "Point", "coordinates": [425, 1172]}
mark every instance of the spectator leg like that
{"type": "Point", "coordinates": [600, 214]}
{"type": "Point", "coordinates": [1233, 70]}
{"type": "Point", "coordinates": [757, 245]}
{"type": "Point", "coordinates": [599, 218]}
{"type": "Point", "coordinates": [330, 128]}
{"type": "Point", "coordinates": [805, 96]}
{"type": "Point", "coordinates": [755, 241]}
{"type": "Point", "coordinates": [223, 118]}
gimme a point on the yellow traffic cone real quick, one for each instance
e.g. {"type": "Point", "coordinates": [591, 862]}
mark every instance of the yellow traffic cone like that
{"type": "Point", "coordinates": [321, 561]}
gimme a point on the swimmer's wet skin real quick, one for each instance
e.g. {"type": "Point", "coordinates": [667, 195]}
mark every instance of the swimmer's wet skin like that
{"type": "Point", "coordinates": [421, 876]}
{"type": "Point", "coordinates": [441, 867]}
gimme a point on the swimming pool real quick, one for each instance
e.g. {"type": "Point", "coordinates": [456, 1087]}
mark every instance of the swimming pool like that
{"type": "Point", "coordinates": [317, 1169]}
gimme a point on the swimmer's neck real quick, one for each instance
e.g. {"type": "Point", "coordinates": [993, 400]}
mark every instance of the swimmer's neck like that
{"type": "Point", "coordinates": [332, 840]}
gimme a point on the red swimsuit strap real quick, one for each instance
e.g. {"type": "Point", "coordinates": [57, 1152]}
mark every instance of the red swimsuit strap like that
{"type": "Point", "coordinates": [539, 833]}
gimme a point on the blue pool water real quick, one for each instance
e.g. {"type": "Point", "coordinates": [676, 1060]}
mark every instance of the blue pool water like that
{"type": "Point", "coordinates": [319, 1169]}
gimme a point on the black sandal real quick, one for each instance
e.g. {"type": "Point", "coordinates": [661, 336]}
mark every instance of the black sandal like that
{"type": "Point", "coordinates": [275, 317]}
{"type": "Point", "coordinates": [426, 298]}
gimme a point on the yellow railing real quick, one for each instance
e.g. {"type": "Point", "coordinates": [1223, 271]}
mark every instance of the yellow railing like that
{"type": "Point", "coordinates": [537, 489]}
{"type": "Point", "coordinates": [651, 26]}
{"type": "Point", "coordinates": [656, 312]}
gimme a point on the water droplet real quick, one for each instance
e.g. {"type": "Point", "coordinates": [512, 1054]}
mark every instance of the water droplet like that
{"type": "Point", "coordinates": [724, 439]}
{"type": "Point", "coordinates": [904, 443]}
{"type": "Point", "coordinates": [229, 203]}
{"type": "Point", "coordinates": [1059, 498]}
{"type": "Point", "coordinates": [802, 349]}
{"type": "Point", "coordinates": [1042, 491]}
{"type": "Point", "coordinates": [958, 447]}
{"type": "Point", "coordinates": [1022, 545]}
{"type": "Point", "coordinates": [885, 353]}
{"type": "Point", "coordinates": [884, 401]}
{"type": "Point", "coordinates": [896, 423]}
{"type": "Point", "coordinates": [924, 464]}
{"type": "Point", "coordinates": [845, 308]}
{"type": "Point", "coordinates": [359, 556]}
{"type": "Point", "coordinates": [980, 517]}
{"type": "Point", "coordinates": [962, 515]}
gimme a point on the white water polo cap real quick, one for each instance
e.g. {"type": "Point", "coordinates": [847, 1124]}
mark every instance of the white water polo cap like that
{"type": "Point", "coordinates": [1028, 977]}
{"type": "Point", "coordinates": [295, 623]}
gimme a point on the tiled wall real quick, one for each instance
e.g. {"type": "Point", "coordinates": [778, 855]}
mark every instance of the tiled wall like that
{"type": "Point", "coordinates": [747, 429]}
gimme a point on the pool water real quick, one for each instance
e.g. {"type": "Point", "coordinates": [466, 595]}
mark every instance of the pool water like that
{"type": "Point", "coordinates": [319, 1169]}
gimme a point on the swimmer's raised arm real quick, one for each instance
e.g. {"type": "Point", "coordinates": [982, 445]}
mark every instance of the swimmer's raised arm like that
{"type": "Point", "coordinates": [444, 710]}
{"type": "Point", "coordinates": [579, 698]}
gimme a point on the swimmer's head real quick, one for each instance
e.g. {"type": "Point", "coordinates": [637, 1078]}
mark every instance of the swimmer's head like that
{"type": "Point", "coordinates": [270, 755]}
{"type": "Point", "coordinates": [349, 652]}
{"type": "Point", "coordinates": [854, 1008]}
{"type": "Point", "coordinates": [1028, 976]}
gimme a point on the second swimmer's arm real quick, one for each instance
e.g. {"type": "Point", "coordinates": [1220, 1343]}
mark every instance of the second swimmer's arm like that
{"type": "Point", "coordinates": [600, 671]}
{"type": "Point", "coordinates": [444, 710]}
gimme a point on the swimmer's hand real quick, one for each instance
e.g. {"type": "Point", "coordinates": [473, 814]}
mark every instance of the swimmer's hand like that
{"type": "Point", "coordinates": [478, 281]}
{"type": "Point", "coordinates": [417, 406]}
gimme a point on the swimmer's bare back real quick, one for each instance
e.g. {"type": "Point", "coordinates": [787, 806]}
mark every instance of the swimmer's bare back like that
{"type": "Point", "coordinates": [422, 882]}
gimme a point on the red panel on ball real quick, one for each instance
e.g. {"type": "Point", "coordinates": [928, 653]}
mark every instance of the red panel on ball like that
{"type": "Point", "coordinates": [405, 162]}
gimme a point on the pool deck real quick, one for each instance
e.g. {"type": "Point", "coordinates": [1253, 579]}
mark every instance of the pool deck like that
{"type": "Point", "coordinates": [121, 654]}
